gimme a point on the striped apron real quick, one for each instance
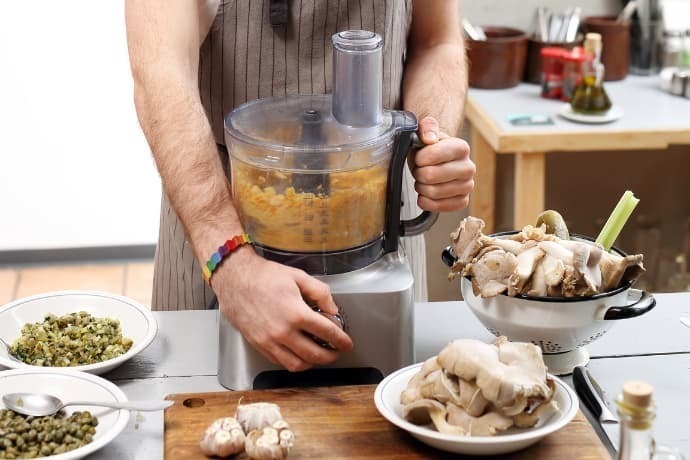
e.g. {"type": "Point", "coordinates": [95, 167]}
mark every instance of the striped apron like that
{"type": "Point", "coordinates": [243, 58]}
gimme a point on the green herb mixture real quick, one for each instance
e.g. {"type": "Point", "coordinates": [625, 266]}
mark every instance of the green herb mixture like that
{"type": "Point", "coordinates": [70, 340]}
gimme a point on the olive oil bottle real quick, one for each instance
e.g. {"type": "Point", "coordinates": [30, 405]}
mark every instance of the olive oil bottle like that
{"type": "Point", "coordinates": [590, 97]}
{"type": "Point", "coordinates": [637, 412]}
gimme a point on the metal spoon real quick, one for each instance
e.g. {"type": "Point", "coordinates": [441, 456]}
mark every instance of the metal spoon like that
{"type": "Point", "coordinates": [9, 351]}
{"type": "Point", "coordinates": [40, 405]}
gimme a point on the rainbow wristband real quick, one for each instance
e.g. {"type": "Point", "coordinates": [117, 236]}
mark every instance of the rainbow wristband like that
{"type": "Point", "coordinates": [223, 251]}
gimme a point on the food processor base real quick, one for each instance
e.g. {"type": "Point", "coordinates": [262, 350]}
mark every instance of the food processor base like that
{"type": "Point", "coordinates": [564, 363]}
{"type": "Point", "coordinates": [377, 304]}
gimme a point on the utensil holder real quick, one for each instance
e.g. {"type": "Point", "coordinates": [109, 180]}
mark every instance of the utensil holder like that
{"type": "Point", "coordinates": [499, 61]}
{"type": "Point", "coordinates": [615, 38]}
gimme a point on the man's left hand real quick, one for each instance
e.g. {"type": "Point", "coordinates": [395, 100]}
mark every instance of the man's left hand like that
{"type": "Point", "coordinates": [443, 170]}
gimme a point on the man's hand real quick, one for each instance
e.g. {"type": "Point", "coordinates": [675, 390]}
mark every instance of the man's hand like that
{"type": "Point", "coordinates": [267, 303]}
{"type": "Point", "coordinates": [443, 170]}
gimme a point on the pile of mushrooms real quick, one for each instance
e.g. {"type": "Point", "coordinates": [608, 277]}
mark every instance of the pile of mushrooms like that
{"type": "Point", "coordinates": [473, 388]}
{"type": "Point", "coordinates": [537, 262]}
{"type": "Point", "coordinates": [257, 429]}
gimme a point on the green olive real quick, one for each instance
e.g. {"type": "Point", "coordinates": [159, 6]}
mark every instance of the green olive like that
{"type": "Point", "coordinates": [554, 224]}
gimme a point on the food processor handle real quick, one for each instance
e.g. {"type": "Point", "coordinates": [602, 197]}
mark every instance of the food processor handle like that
{"type": "Point", "coordinates": [426, 219]}
{"type": "Point", "coordinates": [406, 140]}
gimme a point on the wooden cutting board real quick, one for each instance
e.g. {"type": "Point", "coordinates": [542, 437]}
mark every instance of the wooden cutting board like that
{"type": "Point", "coordinates": [343, 422]}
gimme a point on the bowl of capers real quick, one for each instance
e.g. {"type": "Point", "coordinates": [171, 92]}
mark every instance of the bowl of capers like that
{"type": "Point", "coordinates": [71, 433]}
{"type": "Point", "coordinates": [87, 331]}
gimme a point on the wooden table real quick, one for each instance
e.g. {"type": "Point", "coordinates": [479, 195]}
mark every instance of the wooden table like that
{"type": "Point", "coordinates": [183, 359]}
{"type": "Point", "coordinates": [652, 119]}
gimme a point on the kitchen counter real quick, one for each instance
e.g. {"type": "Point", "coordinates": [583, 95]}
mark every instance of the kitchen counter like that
{"type": "Point", "coordinates": [183, 359]}
{"type": "Point", "coordinates": [652, 120]}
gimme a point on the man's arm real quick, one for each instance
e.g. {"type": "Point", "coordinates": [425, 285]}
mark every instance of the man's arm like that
{"type": "Point", "coordinates": [435, 85]}
{"type": "Point", "coordinates": [163, 39]}
{"type": "Point", "coordinates": [164, 52]}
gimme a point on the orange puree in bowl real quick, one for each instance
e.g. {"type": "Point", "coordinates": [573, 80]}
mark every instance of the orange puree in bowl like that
{"type": "Point", "coordinates": [276, 215]}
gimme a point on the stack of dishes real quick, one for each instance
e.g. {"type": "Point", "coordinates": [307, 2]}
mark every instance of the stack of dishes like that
{"type": "Point", "coordinates": [81, 381]}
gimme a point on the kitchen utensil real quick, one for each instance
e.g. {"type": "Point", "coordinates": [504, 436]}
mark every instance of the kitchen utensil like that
{"type": "Point", "coordinates": [42, 404]}
{"type": "Point", "coordinates": [627, 12]}
{"type": "Point", "coordinates": [136, 320]}
{"type": "Point", "coordinates": [573, 24]}
{"type": "Point", "coordinates": [685, 321]}
{"type": "Point", "coordinates": [343, 422]}
{"type": "Point", "coordinates": [7, 350]}
{"type": "Point", "coordinates": [592, 395]}
{"type": "Point", "coordinates": [472, 31]}
{"type": "Point", "coordinates": [318, 183]}
{"type": "Point", "coordinates": [70, 385]}
{"type": "Point", "coordinates": [561, 326]}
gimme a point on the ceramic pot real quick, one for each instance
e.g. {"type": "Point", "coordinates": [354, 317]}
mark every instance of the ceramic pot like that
{"type": "Point", "coordinates": [499, 61]}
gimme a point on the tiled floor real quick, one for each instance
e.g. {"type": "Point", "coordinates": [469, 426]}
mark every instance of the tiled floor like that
{"type": "Point", "coordinates": [132, 279]}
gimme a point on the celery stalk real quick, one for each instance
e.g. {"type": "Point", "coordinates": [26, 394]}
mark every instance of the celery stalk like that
{"type": "Point", "coordinates": [617, 220]}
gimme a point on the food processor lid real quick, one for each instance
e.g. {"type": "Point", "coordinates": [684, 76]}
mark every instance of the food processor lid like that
{"type": "Point", "coordinates": [299, 123]}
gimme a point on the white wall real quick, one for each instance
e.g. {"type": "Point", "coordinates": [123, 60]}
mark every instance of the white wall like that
{"type": "Point", "coordinates": [75, 169]}
{"type": "Point", "coordinates": [522, 13]}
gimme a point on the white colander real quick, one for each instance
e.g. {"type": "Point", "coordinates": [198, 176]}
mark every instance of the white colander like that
{"type": "Point", "coordinates": [561, 326]}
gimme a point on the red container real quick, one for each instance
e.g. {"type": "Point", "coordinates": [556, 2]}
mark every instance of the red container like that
{"type": "Point", "coordinates": [551, 73]}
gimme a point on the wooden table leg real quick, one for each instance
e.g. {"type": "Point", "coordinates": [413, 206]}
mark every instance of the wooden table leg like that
{"type": "Point", "coordinates": [483, 198]}
{"type": "Point", "coordinates": [530, 172]}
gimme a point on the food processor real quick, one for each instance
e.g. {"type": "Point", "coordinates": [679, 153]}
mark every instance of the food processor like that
{"type": "Point", "coordinates": [317, 181]}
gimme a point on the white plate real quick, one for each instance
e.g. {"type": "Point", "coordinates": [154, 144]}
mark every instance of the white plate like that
{"type": "Point", "coordinates": [137, 321]}
{"type": "Point", "coordinates": [69, 385]}
{"type": "Point", "coordinates": [613, 114]}
{"type": "Point", "coordinates": [387, 399]}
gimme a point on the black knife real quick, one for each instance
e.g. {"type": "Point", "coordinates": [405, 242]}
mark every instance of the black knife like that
{"type": "Point", "coordinates": [592, 395]}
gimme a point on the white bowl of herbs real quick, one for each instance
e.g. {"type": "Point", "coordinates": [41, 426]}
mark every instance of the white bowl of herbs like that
{"type": "Point", "coordinates": [87, 331]}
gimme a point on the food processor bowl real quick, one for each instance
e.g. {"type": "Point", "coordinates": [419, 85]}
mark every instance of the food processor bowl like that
{"type": "Point", "coordinates": [317, 179]}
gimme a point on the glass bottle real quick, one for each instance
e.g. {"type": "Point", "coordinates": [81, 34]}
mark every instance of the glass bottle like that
{"type": "Point", "coordinates": [590, 97]}
{"type": "Point", "coordinates": [637, 412]}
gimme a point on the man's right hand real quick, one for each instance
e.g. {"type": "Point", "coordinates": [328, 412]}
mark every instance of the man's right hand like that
{"type": "Point", "coordinates": [267, 303]}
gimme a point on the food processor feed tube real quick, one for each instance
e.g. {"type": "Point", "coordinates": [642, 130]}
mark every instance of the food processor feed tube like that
{"type": "Point", "coordinates": [358, 78]}
{"type": "Point", "coordinates": [358, 102]}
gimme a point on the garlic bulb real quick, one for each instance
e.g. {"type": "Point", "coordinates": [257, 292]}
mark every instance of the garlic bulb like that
{"type": "Point", "coordinates": [270, 442]}
{"type": "Point", "coordinates": [258, 415]}
{"type": "Point", "coordinates": [222, 438]}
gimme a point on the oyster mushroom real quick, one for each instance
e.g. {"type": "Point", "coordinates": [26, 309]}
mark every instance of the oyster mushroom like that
{"type": "Point", "coordinates": [537, 263]}
{"type": "Point", "coordinates": [511, 375]}
{"type": "Point", "coordinates": [487, 424]}
{"type": "Point", "coordinates": [222, 438]}
{"type": "Point", "coordinates": [486, 388]}
{"type": "Point", "coordinates": [422, 411]}
{"type": "Point", "coordinates": [491, 273]}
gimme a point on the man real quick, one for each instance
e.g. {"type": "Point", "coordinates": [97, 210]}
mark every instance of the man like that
{"type": "Point", "coordinates": [193, 62]}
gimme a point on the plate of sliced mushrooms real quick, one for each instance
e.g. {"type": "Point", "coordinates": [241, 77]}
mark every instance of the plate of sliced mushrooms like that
{"type": "Point", "coordinates": [478, 398]}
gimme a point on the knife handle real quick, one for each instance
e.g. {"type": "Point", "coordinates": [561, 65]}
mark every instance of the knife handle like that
{"type": "Point", "coordinates": [590, 393]}
{"type": "Point", "coordinates": [585, 391]}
